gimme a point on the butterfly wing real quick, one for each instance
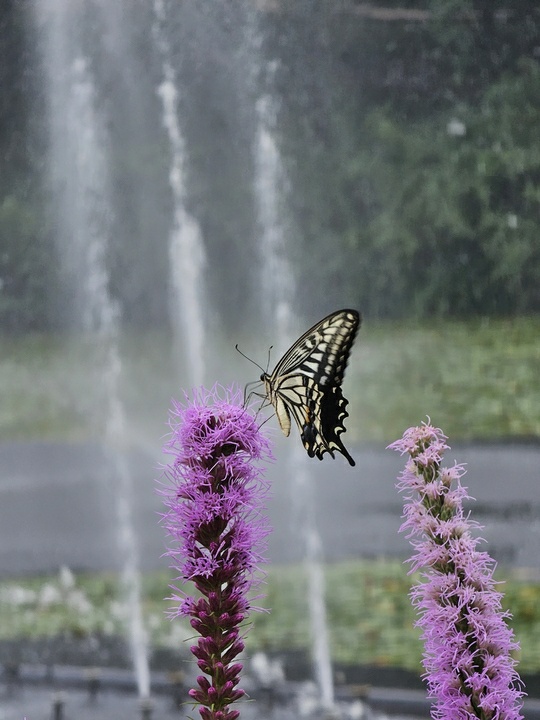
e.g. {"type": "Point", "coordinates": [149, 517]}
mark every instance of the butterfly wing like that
{"type": "Point", "coordinates": [306, 383]}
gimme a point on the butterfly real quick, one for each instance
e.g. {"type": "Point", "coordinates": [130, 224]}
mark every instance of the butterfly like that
{"type": "Point", "coordinates": [306, 383]}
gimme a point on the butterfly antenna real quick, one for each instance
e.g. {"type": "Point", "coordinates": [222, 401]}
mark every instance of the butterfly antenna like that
{"type": "Point", "coordinates": [268, 359]}
{"type": "Point", "coordinates": [248, 358]}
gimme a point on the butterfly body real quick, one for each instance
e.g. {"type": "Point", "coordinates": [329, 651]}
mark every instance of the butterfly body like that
{"type": "Point", "coordinates": [306, 384]}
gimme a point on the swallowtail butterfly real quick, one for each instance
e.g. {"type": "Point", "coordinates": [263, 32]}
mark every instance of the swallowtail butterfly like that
{"type": "Point", "coordinates": [306, 383]}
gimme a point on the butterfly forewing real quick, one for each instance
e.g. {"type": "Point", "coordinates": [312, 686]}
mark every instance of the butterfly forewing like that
{"type": "Point", "coordinates": [329, 333]}
{"type": "Point", "coordinates": [306, 383]}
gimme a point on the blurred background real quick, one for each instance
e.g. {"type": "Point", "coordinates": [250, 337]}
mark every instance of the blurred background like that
{"type": "Point", "coordinates": [389, 153]}
{"type": "Point", "coordinates": [177, 178]}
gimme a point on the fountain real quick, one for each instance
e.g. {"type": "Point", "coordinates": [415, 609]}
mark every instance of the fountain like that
{"type": "Point", "coordinates": [277, 278]}
{"type": "Point", "coordinates": [80, 181]}
{"type": "Point", "coordinates": [186, 248]}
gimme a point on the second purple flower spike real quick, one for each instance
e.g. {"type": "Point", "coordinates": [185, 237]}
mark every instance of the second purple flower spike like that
{"type": "Point", "coordinates": [469, 668]}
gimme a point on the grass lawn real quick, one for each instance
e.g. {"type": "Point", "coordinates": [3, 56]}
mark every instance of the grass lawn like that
{"type": "Point", "coordinates": [476, 380]}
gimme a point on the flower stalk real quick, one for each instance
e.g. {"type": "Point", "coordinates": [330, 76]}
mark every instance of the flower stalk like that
{"type": "Point", "coordinates": [215, 518]}
{"type": "Point", "coordinates": [468, 664]}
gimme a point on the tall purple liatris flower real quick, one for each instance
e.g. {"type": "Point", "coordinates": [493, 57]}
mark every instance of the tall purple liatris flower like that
{"type": "Point", "coordinates": [215, 518]}
{"type": "Point", "coordinates": [469, 670]}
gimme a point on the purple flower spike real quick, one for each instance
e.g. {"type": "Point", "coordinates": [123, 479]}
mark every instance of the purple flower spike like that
{"type": "Point", "coordinates": [467, 644]}
{"type": "Point", "coordinates": [215, 518]}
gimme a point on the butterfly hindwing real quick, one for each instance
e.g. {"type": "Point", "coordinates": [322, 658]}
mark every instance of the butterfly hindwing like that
{"type": "Point", "coordinates": [322, 435]}
{"type": "Point", "coordinates": [306, 383]}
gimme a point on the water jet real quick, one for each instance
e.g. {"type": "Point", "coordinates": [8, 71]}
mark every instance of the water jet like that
{"type": "Point", "coordinates": [80, 181]}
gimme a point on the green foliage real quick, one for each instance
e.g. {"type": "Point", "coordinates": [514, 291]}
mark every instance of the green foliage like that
{"type": "Point", "coordinates": [475, 42]}
{"type": "Point", "coordinates": [417, 191]}
{"type": "Point", "coordinates": [370, 617]}
{"type": "Point", "coordinates": [456, 227]}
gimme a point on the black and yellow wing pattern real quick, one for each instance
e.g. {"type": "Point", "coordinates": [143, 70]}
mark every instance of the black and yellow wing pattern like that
{"type": "Point", "coordinates": [306, 384]}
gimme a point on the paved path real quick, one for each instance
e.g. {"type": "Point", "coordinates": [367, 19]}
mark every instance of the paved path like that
{"type": "Point", "coordinates": [57, 505]}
